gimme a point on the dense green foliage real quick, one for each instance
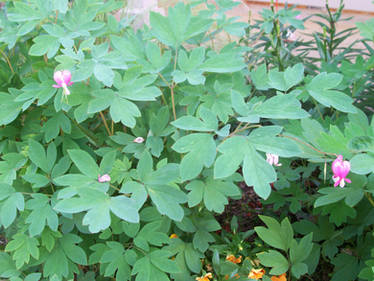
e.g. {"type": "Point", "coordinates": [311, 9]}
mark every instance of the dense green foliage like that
{"type": "Point", "coordinates": [202, 120]}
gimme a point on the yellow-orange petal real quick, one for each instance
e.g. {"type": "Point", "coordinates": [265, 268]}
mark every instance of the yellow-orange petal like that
{"type": "Point", "coordinates": [282, 277]}
{"type": "Point", "coordinates": [173, 236]}
{"type": "Point", "coordinates": [206, 277]}
{"type": "Point", "coordinates": [233, 259]}
{"type": "Point", "coordinates": [238, 260]}
{"type": "Point", "coordinates": [256, 273]}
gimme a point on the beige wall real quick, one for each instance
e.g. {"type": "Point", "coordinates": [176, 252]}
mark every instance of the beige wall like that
{"type": "Point", "coordinates": [359, 5]}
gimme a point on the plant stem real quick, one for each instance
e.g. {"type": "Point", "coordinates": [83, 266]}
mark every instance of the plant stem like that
{"type": "Point", "coordinates": [319, 111]}
{"type": "Point", "coordinates": [8, 61]}
{"type": "Point", "coordinates": [88, 133]}
{"type": "Point", "coordinates": [163, 79]}
{"type": "Point", "coordinates": [173, 101]}
{"type": "Point", "coordinates": [114, 187]}
{"type": "Point", "coordinates": [307, 144]}
{"type": "Point", "coordinates": [368, 196]}
{"type": "Point", "coordinates": [105, 123]}
{"type": "Point", "coordinates": [239, 129]}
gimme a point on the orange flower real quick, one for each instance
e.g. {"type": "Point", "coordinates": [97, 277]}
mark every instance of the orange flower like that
{"type": "Point", "coordinates": [173, 236]}
{"type": "Point", "coordinates": [233, 259]}
{"type": "Point", "coordinates": [206, 277]}
{"type": "Point", "coordinates": [256, 273]}
{"type": "Point", "coordinates": [282, 277]}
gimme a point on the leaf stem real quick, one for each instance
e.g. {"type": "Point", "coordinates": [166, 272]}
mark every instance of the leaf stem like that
{"type": "Point", "coordinates": [88, 133]}
{"type": "Point", "coordinates": [7, 60]}
{"type": "Point", "coordinates": [368, 196]}
{"type": "Point", "coordinates": [308, 145]}
{"type": "Point", "coordinates": [173, 101]}
{"type": "Point", "coordinates": [163, 79]}
{"type": "Point", "coordinates": [105, 123]}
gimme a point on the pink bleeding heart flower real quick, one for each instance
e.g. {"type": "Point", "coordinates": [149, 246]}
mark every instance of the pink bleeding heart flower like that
{"type": "Point", "coordinates": [62, 79]}
{"type": "Point", "coordinates": [138, 140]}
{"type": "Point", "coordinates": [340, 169]}
{"type": "Point", "coordinates": [103, 178]}
{"type": "Point", "coordinates": [299, 17]}
{"type": "Point", "coordinates": [273, 159]}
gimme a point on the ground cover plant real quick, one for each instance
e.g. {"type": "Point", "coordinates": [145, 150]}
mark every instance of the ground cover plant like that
{"type": "Point", "coordinates": [153, 155]}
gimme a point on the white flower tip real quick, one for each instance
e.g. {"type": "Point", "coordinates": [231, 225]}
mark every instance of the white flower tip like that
{"type": "Point", "coordinates": [138, 140]}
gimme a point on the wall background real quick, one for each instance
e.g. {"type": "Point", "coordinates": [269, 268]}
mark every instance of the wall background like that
{"type": "Point", "coordinates": [357, 5]}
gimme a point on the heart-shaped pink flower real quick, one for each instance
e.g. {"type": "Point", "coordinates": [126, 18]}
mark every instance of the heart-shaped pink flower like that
{"type": "Point", "coordinates": [340, 169]}
{"type": "Point", "coordinates": [62, 79]}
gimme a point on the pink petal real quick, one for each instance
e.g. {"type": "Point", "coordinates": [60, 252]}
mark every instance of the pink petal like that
{"type": "Point", "coordinates": [138, 140]}
{"type": "Point", "coordinates": [58, 77]}
{"type": "Point", "coordinates": [342, 183]}
{"type": "Point", "coordinates": [104, 178]}
{"type": "Point", "coordinates": [348, 180]}
{"type": "Point", "coordinates": [56, 86]}
{"type": "Point", "coordinates": [66, 75]}
{"type": "Point", "coordinates": [337, 183]}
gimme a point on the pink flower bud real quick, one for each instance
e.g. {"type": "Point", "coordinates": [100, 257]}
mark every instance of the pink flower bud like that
{"type": "Point", "coordinates": [340, 169]}
{"type": "Point", "coordinates": [138, 140]}
{"type": "Point", "coordinates": [62, 79]}
{"type": "Point", "coordinates": [272, 159]}
{"type": "Point", "coordinates": [103, 178]}
{"type": "Point", "coordinates": [298, 17]}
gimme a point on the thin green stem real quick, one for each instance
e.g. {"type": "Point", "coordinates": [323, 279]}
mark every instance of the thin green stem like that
{"type": "Point", "coordinates": [368, 196]}
{"type": "Point", "coordinates": [87, 132]}
{"type": "Point", "coordinates": [308, 145]}
{"type": "Point", "coordinates": [105, 123]}
{"type": "Point", "coordinates": [173, 102]}
{"type": "Point", "coordinates": [7, 60]}
{"type": "Point", "coordinates": [319, 111]}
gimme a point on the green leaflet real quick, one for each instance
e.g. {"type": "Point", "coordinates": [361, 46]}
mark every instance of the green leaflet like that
{"type": "Point", "coordinates": [42, 214]}
{"type": "Point", "coordinates": [99, 205]}
{"type": "Point", "coordinates": [179, 26]}
{"type": "Point", "coordinates": [159, 186]}
{"type": "Point", "coordinates": [214, 193]}
{"type": "Point", "coordinates": [201, 152]}
{"type": "Point", "coordinates": [256, 171]}
{"type": "Point", "coordinates": [11, 201]}
{"type": "Point", "coordinates": [23, 247]}
{"type": "Point", "coordinates": [321, 87]}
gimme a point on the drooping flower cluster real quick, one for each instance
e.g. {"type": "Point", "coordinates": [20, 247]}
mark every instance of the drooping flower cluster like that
{"type": "Point", "coordinates": [63, 80]}
{"type": "Point", "coordinates": [340, 169]}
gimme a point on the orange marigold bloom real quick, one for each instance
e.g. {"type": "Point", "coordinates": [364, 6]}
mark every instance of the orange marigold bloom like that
{"type": "Point", "coordinates": [233, 259]}
{"type": "Point", "coordinates": [206, 277]}
{"type": "Point", "coordinates": [282, 277]}
{"type": "Point", "coordinates": [173, 236]}
{"type": "Point", "coordinates": [256, 273]}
